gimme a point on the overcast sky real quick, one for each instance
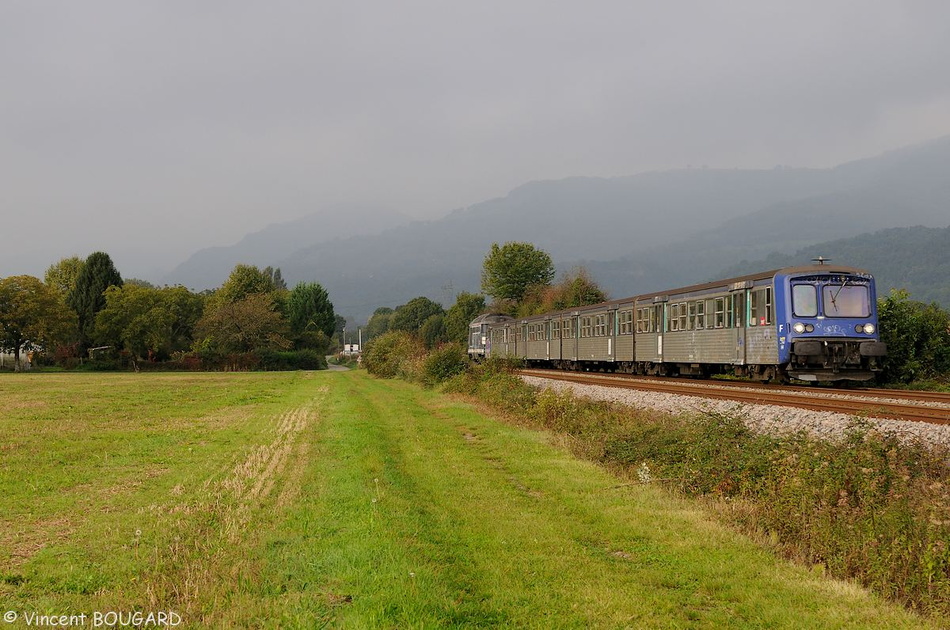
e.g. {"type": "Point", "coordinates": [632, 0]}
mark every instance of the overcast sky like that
{"type": "Point", "coordinates": [152, 129]}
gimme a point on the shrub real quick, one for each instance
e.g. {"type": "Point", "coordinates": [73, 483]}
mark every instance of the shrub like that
{"type": "Point", "coordinates": [393, 354]}
{"type": "Point", "coordinates": [291, 360]}
{"type": "Point", "coordinates": [443, 363]}
{"type": "Point", "coordinates": [917, 337]}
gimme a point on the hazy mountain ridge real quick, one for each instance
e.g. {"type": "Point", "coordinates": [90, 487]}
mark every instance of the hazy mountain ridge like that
{"type": "Point", "coordinates": [209, 268]}
{"type": "Point", "coordinates": [636, 233]}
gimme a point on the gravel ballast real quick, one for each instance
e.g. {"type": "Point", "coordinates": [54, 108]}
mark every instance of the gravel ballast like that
{"type": "Point", "coordinates": [772, 419]}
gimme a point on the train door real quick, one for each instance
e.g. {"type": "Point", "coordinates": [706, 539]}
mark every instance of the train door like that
{"type": "Point", "coordinates": [575, 332]}
{"type": "Point", "coordinates": [659, 317]}
{"type": "Point", "coordinates": [611, 334]}
{"type": "Point", "coordinates": [547, 338]}
{"type": "Point", "coordinates": [739, 299]}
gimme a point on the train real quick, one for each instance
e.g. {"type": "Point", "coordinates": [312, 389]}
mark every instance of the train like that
{"type": "Point", "coordinates": [813, 323]}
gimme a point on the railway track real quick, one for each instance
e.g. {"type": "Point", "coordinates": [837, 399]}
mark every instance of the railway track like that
{"type": "Point", "coordinates": [930, 407]}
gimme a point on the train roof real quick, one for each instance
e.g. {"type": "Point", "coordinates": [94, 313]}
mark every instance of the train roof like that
{"type": "Point", "coordinates": [490, 318]}
{"type": "Point", "coordinates": [762, 275]}
{"type": "Point", "coordinates": [752, 277]}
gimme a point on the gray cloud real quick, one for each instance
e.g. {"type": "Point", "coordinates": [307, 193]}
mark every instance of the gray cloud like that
{"type": "Point", "coordinates": [150, 130]}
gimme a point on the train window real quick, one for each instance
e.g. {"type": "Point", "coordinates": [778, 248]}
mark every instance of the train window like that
{"type": "Point", "coordinates": [761, 314]}
{"type": "Point", "coordinates": [625, 320]}
{"type": "Point", "coordinates": [720, 315]}
{"type": "Point", "coordinates": [643, 320]}
{"type": "Point", "coordinates": [700, 314]}
{"type": "Point", "coordinates": [804, 300]}
{"type": "Point", "coordinates": [846, 300]}
{"type": "Point", "coordinates": [679, 315]}
{"type": "Point", "coordinates": [585, 327]}
{"type": "Point", "coordinates": [600, 326]}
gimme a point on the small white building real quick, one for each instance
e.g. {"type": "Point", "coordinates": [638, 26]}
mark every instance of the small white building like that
{"type": "Point", "coordinates": [8, 361]}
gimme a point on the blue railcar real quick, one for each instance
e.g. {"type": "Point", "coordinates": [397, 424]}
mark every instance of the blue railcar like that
{"type": "Point", "coordinates": [812, 323]}
{"type": "Point", "coordinates": [827, 323]}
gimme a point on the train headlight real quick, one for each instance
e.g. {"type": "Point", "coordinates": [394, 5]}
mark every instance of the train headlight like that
{"type": "Point", "coordinates": [869, 328]}
{"type": "Point", "coordinates": [798, 327]}
{"type": "Point", "coordinates": [809, 328]}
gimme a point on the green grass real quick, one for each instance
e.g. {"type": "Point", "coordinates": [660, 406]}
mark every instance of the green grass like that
{"type": "Point", "coordinates": [334, 499]}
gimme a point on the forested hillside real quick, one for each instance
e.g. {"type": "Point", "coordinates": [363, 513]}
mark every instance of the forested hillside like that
{"type": "Point", "coordinates": [916, 259]}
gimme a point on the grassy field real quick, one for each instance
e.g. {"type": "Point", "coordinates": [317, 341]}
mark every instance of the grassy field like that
{"type": "Point", "coordinates": [334, 499]}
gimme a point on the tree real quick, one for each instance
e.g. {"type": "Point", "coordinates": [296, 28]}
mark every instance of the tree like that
{"type": "Point", "coordinates": [62, 275]}
{"type": "Point", "coordinates": [411, 315]}
{"type": "Point", "coordinates": [467, 307]}
{"type": "Point", "coordinates": [378, 323]}
{"type": "Point", "coordinates": [32, 316]}
{"type": "Point", "coordinates": [251, 323]}
{"type": "Point", "coordinates": [575, 289]}
{"type": "Point", "coordinates": [432, 331]}
{"type": "Point", "coordinates": [310, 312]}
{"type": "Point", "coordinates": [147, 321]}
{"type": "Point", "coordinates": [509, 270]}
{"type": "Point", "coordinates": [88, 296]}
{"type": "Point", "coordinates": [276, 278]}
{"type": "Point", "coordinates": [243, 281]}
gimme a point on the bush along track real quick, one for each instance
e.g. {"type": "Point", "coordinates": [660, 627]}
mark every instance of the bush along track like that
{"type": "Point", "coordinates": [867, 508]}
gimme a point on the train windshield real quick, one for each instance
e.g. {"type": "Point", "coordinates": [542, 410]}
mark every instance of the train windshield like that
{"type": "Point", "coordinates": [805, 300]}
{"type": "Point", "coordinates": [846, 300]}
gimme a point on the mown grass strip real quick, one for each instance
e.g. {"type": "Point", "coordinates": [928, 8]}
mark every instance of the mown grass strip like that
{"type": "Point", "coordinates": [308, 500]}
{"type": "Point", "coordinates": [480, 524]}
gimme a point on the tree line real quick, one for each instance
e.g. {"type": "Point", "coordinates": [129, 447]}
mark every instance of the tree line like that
{"type": "Point", "coordinates": [84, 314]}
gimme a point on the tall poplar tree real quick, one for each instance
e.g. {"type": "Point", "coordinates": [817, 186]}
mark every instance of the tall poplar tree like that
{"type": "Point", "coordinates": [88, 297]}
{"type": "Point", "coordinates": [309, 308]}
